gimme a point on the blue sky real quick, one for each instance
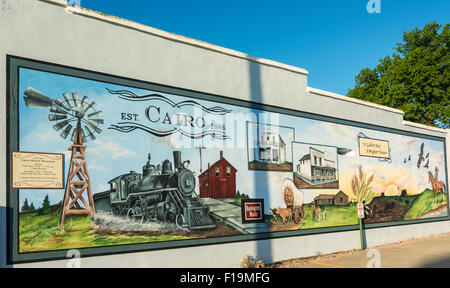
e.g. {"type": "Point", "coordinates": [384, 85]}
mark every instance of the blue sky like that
{"type": "Point", "coordinates": [332, 39]}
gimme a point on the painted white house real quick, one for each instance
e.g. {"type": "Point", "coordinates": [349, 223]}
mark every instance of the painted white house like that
{"type": "Point", "coordinates": [315, 167]}
{"type": "Point", "coordinates": [270, 148]}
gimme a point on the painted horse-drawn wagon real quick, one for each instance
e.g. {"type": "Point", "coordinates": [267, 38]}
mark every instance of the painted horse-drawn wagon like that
{"type": "Point", "coordinates": [294, 200]}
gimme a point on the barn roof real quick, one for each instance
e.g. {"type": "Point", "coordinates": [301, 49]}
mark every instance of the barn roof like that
{"type": "Point", "coordinates": [330, 197]}
{"type": "Point", "coordinates": [216, 163]}
{"type": "Point", "coordinates": [325, 197]}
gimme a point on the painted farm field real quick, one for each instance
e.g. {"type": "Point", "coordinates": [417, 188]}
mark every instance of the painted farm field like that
{"type": "Point", "coordinates": [397, 208]}
{"type": "Point", "coordinates": [384, 209]}
{"type": "Point", "coordinates": [335, 216]}
{"type": "Point", "coordinates": [39, 231]}
{"type": "Point", "coordinates": [389, 209]}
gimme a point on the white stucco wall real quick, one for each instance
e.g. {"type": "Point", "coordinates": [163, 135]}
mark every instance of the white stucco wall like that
{"type": "Point", "coordinates": [45, 31]}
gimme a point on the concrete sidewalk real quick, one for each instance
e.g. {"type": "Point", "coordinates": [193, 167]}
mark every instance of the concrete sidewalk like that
{"type": "Point", "coordinates": [430, 252]}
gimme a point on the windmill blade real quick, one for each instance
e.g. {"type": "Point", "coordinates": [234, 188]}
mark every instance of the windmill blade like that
{"type": "Point", "coordinates": [68, 100]}
{"type": "Point", "coordinates": [36, 99]}
{"type": "Point", "coordinates": [84, 101]}
{"type": "Point", "coordinates": [60, 125]}
{"type": "Point", "coordinates": [89, 133]}
{"type": "Point", "coordinates": [83, 136]}
{"type": "Point", "coordinates": [31, 103]}
{"type": "Point", "coordinates": [76, 101]}
{"type": "Point", "coordinates": [61, 103]}
{"type": "Point", "coordinates": [66, 131]}
{"type": "Point", "coordinates": [53, 117]}
{"type": "Point", "coordinates": [56, 109]}
{"type": "Point", "coordinates": [91, 107]}
{"type": "Point", "coordinates": [72, 138]}
{"type": "Point", "coordinates": [95, 127]}
{"type": "Point", "coordinates": [97, 121]}
{"type": "Point", "coordinates": [96, 114]}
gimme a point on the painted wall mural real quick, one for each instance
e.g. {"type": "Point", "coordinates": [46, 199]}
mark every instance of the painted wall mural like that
{"type": "Point", "coordinates": [164, 167]}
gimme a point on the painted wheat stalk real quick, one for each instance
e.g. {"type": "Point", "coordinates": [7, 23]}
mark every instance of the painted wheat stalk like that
{"type": "Point", "coordinates": [362, 189]}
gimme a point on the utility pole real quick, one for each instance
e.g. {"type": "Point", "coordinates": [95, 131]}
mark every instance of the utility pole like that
{"type": "Point", "coordinates": [200, 148]}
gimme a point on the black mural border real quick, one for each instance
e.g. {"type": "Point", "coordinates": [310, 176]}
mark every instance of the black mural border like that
{"type": "Point", "coordinates": [14, 63]}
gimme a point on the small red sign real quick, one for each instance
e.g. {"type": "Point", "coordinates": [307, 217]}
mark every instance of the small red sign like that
{"type": "Point", "coordinates": [360, 211]}
{"type": "Point", "coordinates": [253, 211]}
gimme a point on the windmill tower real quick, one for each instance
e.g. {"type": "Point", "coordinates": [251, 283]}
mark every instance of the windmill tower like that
{"type": "Point", "coordinates": [68, 111]}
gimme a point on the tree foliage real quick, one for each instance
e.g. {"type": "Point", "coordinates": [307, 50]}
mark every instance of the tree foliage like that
{"type": "Point", "coordinates": [25, 206]}
{"type": "Point", "coordinates": [31, 209]}
{"type": "Point", "coordinates": [46, 203]}
{"type": "Point", "coordinates": [415, 79]}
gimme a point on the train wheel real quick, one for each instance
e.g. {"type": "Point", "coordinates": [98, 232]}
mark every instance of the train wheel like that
{"type": "Point", "coordinates": [132, 217]}
{"type": "Point", "coordinates": [179, 220]}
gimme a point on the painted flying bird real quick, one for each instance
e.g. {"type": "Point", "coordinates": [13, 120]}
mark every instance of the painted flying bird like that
{"type": "Point", "coordinates": [427, 165]}
{"type": "Point", "coordinates": [421, 158]}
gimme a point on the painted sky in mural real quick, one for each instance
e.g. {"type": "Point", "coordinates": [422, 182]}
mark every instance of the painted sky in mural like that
{"type": "Point", "coordinates": [115, 152]}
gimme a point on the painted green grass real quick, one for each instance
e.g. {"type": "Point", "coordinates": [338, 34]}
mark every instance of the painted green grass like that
{"type": "Point", "coordinates": [336, 216]}
{"type": "Point", "coordinates": [42, 233]}
{"type": "Point", "coordinates": [424, 203]}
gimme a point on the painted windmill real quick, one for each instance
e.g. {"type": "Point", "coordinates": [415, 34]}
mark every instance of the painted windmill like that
{"type": "Point", "coordinates": [64, 113]}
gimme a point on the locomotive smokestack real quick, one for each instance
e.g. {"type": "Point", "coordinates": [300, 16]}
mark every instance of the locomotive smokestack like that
{"type": "Point", "coordinates": [177, 159]}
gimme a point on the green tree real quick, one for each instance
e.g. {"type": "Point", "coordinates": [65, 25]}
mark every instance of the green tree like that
{"type": "Point", "coordinates": [25, 206]}
{"type": "Point", "coordinates": [415, 79]}
{"type": "Point", "coordinates": [46, 203]}
{"type": "Point", "coordinates": [31, 209]}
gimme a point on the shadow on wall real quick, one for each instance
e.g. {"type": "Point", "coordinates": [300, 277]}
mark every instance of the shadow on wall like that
{"type": "Point", "coordinates": [443, 262]}
{"type": "Point", "coordinates": [263, 248]}
{"type": "Point", "coordinates": [3, 238]}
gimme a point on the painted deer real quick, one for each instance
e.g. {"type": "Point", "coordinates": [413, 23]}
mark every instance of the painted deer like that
{"type": "Point", "coordinates": [436, 185]}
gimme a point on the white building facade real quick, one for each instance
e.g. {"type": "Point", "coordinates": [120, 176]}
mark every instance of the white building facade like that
{"type": "Point", "coordinates": [316, 168]}
{"type": "Point", "coordinates": [270, 148]}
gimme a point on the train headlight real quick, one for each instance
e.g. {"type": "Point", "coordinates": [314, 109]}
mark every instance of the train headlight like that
{"type": "Point", "coordinates": [186, 164]}
{"type": "Point", "coordinates": [186, 182]}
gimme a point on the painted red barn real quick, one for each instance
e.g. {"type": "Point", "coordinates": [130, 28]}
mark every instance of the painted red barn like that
{"type": "Point", "coordinates": [219, 180]}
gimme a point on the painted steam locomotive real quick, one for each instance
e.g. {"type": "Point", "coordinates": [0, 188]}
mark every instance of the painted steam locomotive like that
{"type": "Point", "coordinates": [158, 194]}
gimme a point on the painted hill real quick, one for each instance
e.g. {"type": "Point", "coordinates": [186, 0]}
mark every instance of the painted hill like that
{"type": "Point", "coordinates": [424, 203]}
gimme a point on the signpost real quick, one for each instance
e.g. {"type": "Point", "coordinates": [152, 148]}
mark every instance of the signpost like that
{"type": "Point", "coordinates": [360, 219]}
